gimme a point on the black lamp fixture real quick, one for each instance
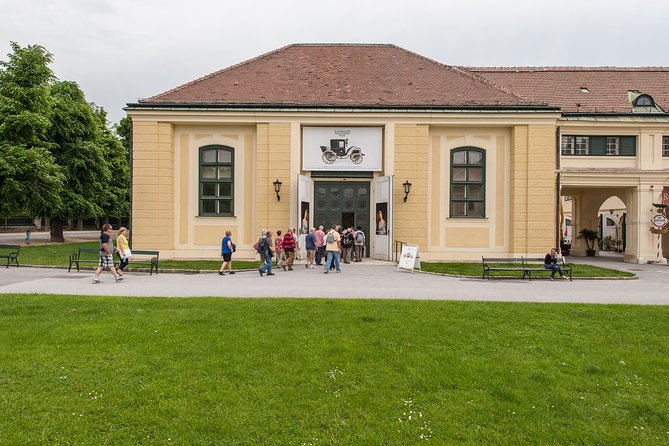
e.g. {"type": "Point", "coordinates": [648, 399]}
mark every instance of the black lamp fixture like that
{"type": "Point", "coordinates": [277, 189]}
{"type": "Point", "coordinates": [407, 189]}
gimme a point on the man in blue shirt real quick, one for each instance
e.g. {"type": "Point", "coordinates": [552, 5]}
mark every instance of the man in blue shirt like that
{"type": "Point", "coordinates": [310, 242]}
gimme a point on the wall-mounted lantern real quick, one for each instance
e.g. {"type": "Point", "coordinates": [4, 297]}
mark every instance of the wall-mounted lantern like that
{"type": "Point", "coordinates": [277, 188]}
{"type": "Point", "coordinates": [407, 189]}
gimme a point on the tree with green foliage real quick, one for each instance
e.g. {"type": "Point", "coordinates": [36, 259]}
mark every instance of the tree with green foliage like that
{"type": "Point", "coordinates": [78, 150]}
{"type": "Point", "coordinates": [58, 157]}
{"type": "Point", "coordinates": [116, 197]}
{"type": "Point", "coordinates": [30, 181]}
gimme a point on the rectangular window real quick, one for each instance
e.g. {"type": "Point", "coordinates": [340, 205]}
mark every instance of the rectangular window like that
{"type": "Point", "coordinates": [599, 145]}
{"type": "Point", "coordinates": [582, 145]}
{"type": "Point", "coordinates": [216, 181]}
{"type": "Point", "coordinates": [467, 183]}
{"type": "Point", "coordinates": [665, 146]}
{"type": "Point", "coordinates": [567, 145]}
{"type": "Point", "coordinates": [612, 145]}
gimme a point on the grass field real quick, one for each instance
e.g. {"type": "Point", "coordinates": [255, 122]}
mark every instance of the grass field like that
{"type": "Point", "coordinates": [103, 370]}
{"type": "Point", "coordinates": [57, 255]}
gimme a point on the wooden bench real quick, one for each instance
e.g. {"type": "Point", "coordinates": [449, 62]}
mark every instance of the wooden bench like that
{"type": "Point", "coordinates": [512, 264]}
{"type": "Point", "coordinates": [144, 258]}
{"type": "Point", "coordinates": [90, 255]}
{"type": "Point", "coordinates": [536, 265]}
{"type": "Point", "coordinates": [526, 265]}
{"type": "Point", "coordinates": [11, 253]}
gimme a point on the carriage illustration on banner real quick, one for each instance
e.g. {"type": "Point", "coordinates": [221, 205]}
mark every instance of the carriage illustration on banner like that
{"type": "Point", "coordinates": [339, 149]}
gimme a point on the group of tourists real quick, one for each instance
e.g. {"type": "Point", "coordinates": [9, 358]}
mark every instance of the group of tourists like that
{"type": "Point", "coordinates": [338, 243]}
{"type": "Point", "coordinates": [107, 251]}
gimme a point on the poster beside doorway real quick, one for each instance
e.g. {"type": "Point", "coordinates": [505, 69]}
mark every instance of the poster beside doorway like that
{"type": "Point", "coordinates": [381, 216]}
{"type": "Point", "coordinates": [304, 213]}
{"type": "Point", "coordinates": [304, 217]}
{"type": "Point", "coordinates": [383, 202]}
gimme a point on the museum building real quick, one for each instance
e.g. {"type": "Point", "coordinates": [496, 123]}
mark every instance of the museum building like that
{"type": "Point", "coordinates": [463, 162]}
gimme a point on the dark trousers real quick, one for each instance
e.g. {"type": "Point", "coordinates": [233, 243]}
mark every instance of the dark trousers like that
{"type": "Point", "coordinates": [124, 262]}
{"type": "Point", "coordinates": [320, 253]}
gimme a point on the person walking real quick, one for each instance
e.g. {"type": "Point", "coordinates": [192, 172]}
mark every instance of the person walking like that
{"type": "Point", "coordinates": [106, 255]}
{"type": "Point", "coordinates": [310, 245]}
{"type": "Point", "coordinates": [265, 251]}
{"type": "Point", "coordinates": [347, 244]}
{"type": "Point", "coordinates": [332, 240]}
{"type": "Point", "coordinates": [278, 249]}
{"type": "Point", "coordinates": [551, 262]}
{"type": "Point", "coordinates": [359, 244]}
{"type": "Point", "coordinates": [227, 248]}
{"type": "Point", "coordinates": [289, 246]}
{"type": "Point", "coordinates": [122, 249]}
{"type": "Point", "coordinates": [320, 245]}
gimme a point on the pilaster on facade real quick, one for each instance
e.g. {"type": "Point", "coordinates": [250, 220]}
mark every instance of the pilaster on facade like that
{"type": "Point", "coordinates": [411, 164]}
{"type": "Point", "coordinates": [153, 185]}
{"type": "Point", "coordinates": [273, 162]}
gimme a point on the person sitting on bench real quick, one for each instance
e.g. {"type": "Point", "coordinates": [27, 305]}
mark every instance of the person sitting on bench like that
{"type": "Point", "coordinates": [551, 262]}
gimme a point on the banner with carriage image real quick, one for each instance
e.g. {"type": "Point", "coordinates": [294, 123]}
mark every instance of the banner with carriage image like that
{"type": "Point", "coordinates": [342, 148]}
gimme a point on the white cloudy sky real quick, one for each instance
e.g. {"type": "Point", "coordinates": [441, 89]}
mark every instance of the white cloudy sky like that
{"type": "Point", "coordinates": [122, 50]}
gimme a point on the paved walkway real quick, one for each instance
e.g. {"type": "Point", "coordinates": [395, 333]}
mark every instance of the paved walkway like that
{"type": "Point", "coordinates": [377, 281]}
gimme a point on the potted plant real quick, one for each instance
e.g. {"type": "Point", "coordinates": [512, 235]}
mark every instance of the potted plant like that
{"type": "Point", "coordinates": [590, 236]}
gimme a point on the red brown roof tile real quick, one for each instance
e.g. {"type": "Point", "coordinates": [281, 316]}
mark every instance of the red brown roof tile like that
{"type": "Point", "coordinates": [342, 75]}
{"type": "Point", "coordinates": [607, 87]}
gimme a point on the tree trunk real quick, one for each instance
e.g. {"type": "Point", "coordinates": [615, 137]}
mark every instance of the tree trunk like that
{"type": "Point", "coordinates": [80, 224]}
{"type": "Point", "coordinates": [105, 220]}
{"type": "Point", "coordinates": [57, 230]}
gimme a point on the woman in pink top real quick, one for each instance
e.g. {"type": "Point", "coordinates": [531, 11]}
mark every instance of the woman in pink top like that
{"type": "Point", "coordinates": [278, 247]}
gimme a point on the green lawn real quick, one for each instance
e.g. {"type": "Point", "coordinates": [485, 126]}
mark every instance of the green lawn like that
{"type": "Point", "coordinates": [476, 270]}
{"type": "Point", "coordinates": [57, 255]}
{"type": "Point", "coordinates": [104, 370]}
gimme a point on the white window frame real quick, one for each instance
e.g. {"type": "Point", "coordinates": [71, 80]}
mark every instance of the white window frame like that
{"type": "Point", "coordinates": [581, 145]}
{"type": "Point", "coordinates": [567, 145]}
{"type": "Point", "coordinates": [612, 145]}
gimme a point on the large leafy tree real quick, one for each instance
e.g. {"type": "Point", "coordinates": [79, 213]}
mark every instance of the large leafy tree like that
{"type": "Point", "coordinates": [79, 151]}
{"type": "Point", "coordinates": [58, 158]}
{"type": "Point", "coordinates": [30, 181]}
{"type": "Point", "coordinates": [116, 197]}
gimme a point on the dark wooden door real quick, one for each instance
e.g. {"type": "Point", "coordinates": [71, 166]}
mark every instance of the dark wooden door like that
{"type": "Point", "coordinates": [342, 202]}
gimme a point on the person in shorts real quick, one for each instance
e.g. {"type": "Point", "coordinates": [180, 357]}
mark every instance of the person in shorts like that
{"type": "Point", "coordinates": [310, 245]}
{"type": "Point", "coordinates": [227, 248]}
{"type": "Point", "coordinates": [106, 255]}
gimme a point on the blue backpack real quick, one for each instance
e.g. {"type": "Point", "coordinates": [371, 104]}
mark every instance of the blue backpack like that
{"type": "Point", "coordinates": [262, 244]}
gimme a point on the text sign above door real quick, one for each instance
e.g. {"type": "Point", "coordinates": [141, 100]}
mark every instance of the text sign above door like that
{"type": "Point", "coordinates": [342, 148]}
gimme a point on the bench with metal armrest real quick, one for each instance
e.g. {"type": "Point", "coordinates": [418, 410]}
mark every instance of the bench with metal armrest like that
{"type": "Point", "coordinates": [11, 253]}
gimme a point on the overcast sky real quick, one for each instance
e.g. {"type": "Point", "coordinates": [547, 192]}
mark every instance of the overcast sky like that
{"type": "Point", "coordinates": [121, 50]}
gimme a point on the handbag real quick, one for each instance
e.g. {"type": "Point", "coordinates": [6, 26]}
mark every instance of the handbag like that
{"type": "Point", "coordinates": [234, 247]}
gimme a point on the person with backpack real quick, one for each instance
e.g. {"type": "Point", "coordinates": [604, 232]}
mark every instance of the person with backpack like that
{"type": "Point", "coordinates": [332, 240]}
{"type": "Point", "coordinates": [289, 246]}
{"type": "Point", "coordinates": [347, 244]}
{"type": "Point", "coordinates": [264, 248]}
{"type": "Point", "coordinates": [359, 244]}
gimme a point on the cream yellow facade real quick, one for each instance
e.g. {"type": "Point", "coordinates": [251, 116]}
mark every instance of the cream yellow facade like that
{"type": "Point", "coordinates": [520, 178]}
{"type": "Point", "coordinates": [636, 180]}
